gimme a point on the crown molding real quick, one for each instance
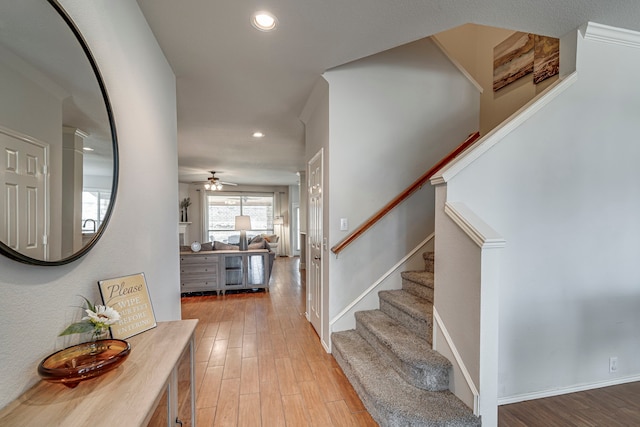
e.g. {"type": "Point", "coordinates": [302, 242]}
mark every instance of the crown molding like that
{"type": "Point", "coordinates": [612, 35]}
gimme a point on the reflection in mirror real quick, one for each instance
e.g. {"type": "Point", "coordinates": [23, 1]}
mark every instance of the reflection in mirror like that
{"type": "Point", "coordinates": [58, 152]}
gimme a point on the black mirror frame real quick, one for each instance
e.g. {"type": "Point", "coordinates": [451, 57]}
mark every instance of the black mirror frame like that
{"type": "Point", "coordinates": [17, 256]}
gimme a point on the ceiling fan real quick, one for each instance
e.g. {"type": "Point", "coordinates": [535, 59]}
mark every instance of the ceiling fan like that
{"type": "Point", "coordinates": [213, 183]}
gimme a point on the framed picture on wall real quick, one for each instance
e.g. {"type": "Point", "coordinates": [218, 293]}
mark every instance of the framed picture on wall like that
{"type": "Point", "coordinates": [130, 297]}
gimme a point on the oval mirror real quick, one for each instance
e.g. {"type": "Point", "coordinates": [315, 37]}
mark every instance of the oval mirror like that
{"type": "Point", "coordinates": [58, 150]}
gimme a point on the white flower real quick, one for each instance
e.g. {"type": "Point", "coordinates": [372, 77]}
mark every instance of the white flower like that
{"type": "Point", "coordinates": [102, 316]}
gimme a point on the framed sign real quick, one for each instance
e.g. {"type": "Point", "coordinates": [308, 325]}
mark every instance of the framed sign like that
{"type": "Point", "coordinates": [130, 297]}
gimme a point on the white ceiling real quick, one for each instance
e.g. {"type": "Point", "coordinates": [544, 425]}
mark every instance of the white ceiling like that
{"type": "Point", "coordinates": [233, 79]}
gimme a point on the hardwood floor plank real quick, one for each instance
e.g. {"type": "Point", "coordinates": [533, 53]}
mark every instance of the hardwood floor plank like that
{"type": "Point", "coordinates": [249, 345]}
{"type": "Point", "coordinates": [224, 329]}
{"type": "Point", "coordinates": [312, 396]}
{"type": "Point", "coordinates": [208, 393]}
{"type": "Point", "coordinates": [232, 364]}
{"type": "Point", "coordinates": [205, 416]}
{"type": "Point", "coordinates": [279, 344]}
{"type": "Point", "coordinates": [236, 334]}
{"type": "Point", "coordinates": [250, 325]}
{"type": "Point", "coordinates": [263, 341]}
{"type": "Point", "coordinates": [211, 329]}
{"type": "Point", "coordinates": [363, 419]}
{"type": "Point", "coordinates": [203, 349]}
{"type": "Point", "coordinates": [271, 405]}
{"type": "Point", "coordinates": [341, 415]}
{"type": "Point", "coordinates": [218, 353]}
{"type": "Point", "coordinates": [301, 370]}
{"type": "Point", "coordinates": [249, 376]}
{"type": "Point", "coordinates": [228, 403]}
{"type": "Point", "coordinates": [249, 410]}
{"type": "Point", "coordinates": [350, 396]}
{"type": "Point", "coordinates": [295, 412]}
{"type": "Point", "coordinates": [323, 377]}
{"type": "Point", "coordinates": [286, 377]}
{"type": "Point", "coordinates": [267, 367]}
{"type": "Point", "coordinates": [201, 368]}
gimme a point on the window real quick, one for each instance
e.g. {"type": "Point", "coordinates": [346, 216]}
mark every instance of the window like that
{"type": "Point", "coordinates": [94, 208]}
{"type": "Point", "coordinates": [222, 209]}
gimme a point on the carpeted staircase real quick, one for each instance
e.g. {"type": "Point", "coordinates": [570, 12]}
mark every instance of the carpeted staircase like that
{"type": "Point", "coordinates": [389, 361]}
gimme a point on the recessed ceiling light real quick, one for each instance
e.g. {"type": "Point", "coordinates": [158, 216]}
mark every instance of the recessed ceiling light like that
{"type": "Point", "coordinates": [264, 21]}
{"type": "Point", "coordinates": [258, 134]}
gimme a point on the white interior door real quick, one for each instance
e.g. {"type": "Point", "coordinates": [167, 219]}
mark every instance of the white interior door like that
{"type": "Point", "coordinates": [22, 204]}
{"type": "Point", "coordinates": [315, 285]}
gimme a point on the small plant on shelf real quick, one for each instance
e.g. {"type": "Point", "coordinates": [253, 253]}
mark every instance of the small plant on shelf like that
{"type": "Point", "coordinates": [97, 321]}
{"type": "Point", "coordinates": [184, 206]}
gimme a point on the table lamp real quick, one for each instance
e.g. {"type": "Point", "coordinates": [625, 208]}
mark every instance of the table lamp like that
{"type": "Point", "coordinates": [243, 223]}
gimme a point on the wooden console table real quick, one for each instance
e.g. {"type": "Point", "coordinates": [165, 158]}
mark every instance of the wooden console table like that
{"type": "Point", "coordinates": [151, 388]}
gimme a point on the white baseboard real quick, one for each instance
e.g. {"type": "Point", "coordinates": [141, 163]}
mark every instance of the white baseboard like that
{"type": "Point", "coordinates": [566, 390]}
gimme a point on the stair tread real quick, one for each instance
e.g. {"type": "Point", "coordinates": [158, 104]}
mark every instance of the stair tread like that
{"type": "Point", "coordinates": [408, 346]}
{"type": "Point", "coordinates": [425, 278]}
{"type": "Point", "coordinates": [416, 307]}
{"type": "Point", "coordinates": [397, 401]}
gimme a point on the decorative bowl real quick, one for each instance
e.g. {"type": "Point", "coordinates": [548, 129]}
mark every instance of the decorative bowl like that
{"type": "Point", "coordinates": [83, 361]}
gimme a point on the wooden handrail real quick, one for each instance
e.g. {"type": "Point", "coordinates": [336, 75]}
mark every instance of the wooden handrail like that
{"type": "Point", "coordinates": [404, 195]}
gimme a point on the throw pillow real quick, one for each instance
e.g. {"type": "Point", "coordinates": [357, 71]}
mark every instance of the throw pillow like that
{"type": "Point", "coordinates": [256, 239]}
{"type": "Point", "coordinates": [257, 245]}
{"type": "Point", "coordinates": [221, 246]}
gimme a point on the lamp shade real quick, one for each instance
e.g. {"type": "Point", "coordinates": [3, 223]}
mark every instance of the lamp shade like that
{"type": "Point", "coordinates": [243, 222]}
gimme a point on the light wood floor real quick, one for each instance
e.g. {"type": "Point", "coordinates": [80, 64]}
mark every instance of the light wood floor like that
{"type": "Point", "coordinates": [260, 363]}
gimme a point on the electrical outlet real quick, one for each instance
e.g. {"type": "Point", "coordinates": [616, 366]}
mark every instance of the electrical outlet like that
{"type": "Point", "coordinates": [613, 364]}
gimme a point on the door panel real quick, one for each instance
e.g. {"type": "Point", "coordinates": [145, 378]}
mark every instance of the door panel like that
{"type": "Point", "coordinates": [22, 203]}
{"type": "Point", "coordinates": [315, 287]}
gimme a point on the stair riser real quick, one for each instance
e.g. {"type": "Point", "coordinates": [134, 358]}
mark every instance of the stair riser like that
{"type": "Point", "coordinates": [421, 327]}
{"type": "Point", "coordinates": [431, 379]}
{"type": "Point", "coordinates": [418, 289]}
{"type": "Point", "coordinates": [429, 263]}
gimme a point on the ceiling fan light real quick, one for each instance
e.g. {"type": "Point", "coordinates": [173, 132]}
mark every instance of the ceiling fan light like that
{"type": "Point", "coordinates": [207, 186]}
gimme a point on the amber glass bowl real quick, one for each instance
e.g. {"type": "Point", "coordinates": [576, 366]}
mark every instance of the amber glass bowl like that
{"type": "Point", "coordinates": [83, 361]}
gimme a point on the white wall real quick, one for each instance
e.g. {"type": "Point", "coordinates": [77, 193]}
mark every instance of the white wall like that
{"type": "Point", "coordinates": [38, 302]}
{"type": "Point", "coordinates": [316, 119]}
{"type": "Point", "coordinates": [563, 191]}
{"type": "Point", "coordinates": [392, 116]}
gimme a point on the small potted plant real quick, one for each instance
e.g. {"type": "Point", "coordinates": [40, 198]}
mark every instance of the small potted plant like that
{"type": "Point", "coordinates": [184, 205]}
{"type": "Point", "coordinates": [97, 321]}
